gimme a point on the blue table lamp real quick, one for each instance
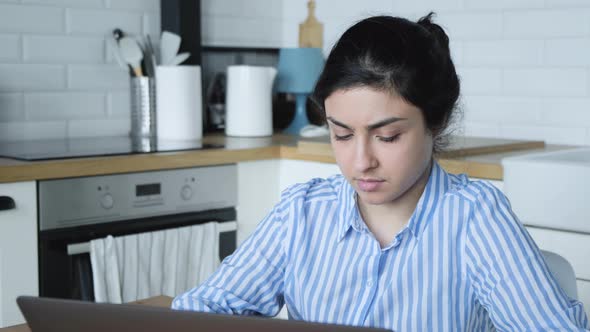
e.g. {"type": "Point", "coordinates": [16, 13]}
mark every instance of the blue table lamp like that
{"type": "Point", "coordinates": [299, 69]}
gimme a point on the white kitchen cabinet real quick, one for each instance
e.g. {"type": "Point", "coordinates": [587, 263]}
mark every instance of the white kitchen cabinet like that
{"type": "Point", "coordinates": [261, 182]}
{"type": "Point", "coordinates": [18, 249]}
{"type": "Point", "coordinates": [298, 171]}
{"type": "Point", "coordinates": [258, 191]}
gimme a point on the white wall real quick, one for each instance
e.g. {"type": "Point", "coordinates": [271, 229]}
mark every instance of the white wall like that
{"type": "Point", "coordinates": [57, 78]}
{"type": "Point", "coordinates": [524, 64]}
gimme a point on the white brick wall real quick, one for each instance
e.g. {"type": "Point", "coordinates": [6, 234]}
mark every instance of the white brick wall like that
{"type": "Point", "coordinates": [524, 64]}
{"type": "Point", "coordinates": [57, 78]}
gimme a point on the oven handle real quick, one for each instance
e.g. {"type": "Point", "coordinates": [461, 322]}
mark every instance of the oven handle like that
{"type": "Point", "coordinates": [84, 248]}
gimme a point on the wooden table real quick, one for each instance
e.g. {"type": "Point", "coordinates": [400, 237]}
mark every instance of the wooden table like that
{"type": "Point", "coordinates": [157, 301]}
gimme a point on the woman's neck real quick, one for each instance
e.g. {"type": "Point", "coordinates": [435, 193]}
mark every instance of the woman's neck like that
{"type": "Point", "coordinates": [386, 220]}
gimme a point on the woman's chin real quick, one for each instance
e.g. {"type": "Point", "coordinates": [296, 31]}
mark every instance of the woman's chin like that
{"type": "Point", "coordinates": [373, 198]}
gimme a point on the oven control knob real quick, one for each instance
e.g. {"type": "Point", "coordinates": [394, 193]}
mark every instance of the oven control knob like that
{"type": "Point", "coordinates": [186, 192]}
{"type": "Point", "coordinates": [107, 201]}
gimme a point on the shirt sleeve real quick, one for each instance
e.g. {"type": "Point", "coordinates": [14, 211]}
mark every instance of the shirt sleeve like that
{"type": "Point", "coordinates": [508, 274]}
{"type": "Point", "coordinates": [250, 281]}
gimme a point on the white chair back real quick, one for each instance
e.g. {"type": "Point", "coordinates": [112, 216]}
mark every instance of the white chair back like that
{"type": "Point", "coordinates": [563, 272]}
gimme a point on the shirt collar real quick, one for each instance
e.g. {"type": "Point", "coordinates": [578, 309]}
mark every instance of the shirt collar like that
{"type": "Point", "coordinates": [438, 184]}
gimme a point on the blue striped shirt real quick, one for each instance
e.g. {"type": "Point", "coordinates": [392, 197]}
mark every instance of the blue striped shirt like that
{"type": "Point", "coordinates": [463, 262]}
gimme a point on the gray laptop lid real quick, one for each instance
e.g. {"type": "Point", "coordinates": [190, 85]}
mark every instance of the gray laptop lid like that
{"type": "Point", "coordinates": [58, 315]}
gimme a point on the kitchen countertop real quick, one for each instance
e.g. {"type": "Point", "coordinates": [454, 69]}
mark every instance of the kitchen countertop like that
{"type": "Point", "coordinates": [478, 157]}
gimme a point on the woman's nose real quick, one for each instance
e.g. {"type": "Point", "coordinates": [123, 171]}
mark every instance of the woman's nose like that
{"type": "Point", "coordinates": [365, 158]}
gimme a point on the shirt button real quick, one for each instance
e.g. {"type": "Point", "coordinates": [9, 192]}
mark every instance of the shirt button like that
{"type": "Point", "coordinates": [370, 283]}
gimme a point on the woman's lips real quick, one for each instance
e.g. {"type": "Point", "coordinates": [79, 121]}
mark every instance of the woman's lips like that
{"type": "Point", "coordinates": [369, 185]}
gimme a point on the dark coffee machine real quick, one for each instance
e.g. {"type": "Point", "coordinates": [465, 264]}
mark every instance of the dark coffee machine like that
{"type": "Point", "coordinates": [216, 102]}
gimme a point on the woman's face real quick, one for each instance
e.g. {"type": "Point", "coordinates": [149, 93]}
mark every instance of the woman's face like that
{"type": "Point", "coordinates": [380, 142]}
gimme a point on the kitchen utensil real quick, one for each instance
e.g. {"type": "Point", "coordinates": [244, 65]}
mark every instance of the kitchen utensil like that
{"type": "Point", "coordinates": [132, 54]}
{"type": "Point", "coordinates": [311, 31]}
{"type": "Point", "coordinates": [148, 58]}
{"type": "Point", "coordinates": [249, 102]}
{"type": "Point", "coordinates": [152, 51]}
{"type": "Point", "coordinates": [169, 45]}
{"type": "Point", "coordinates": [112, 43]}
{"type": "Point", "coordinates": [179, 58]}
{"type": "Point", "coordinates": [118, 34]}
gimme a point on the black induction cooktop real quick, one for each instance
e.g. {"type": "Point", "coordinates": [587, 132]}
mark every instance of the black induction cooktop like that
{"type": "Point", "coordinates": [95, 146]}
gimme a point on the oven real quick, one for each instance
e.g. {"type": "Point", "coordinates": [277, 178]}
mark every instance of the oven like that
{"type": "Point", "coordinates": [74, 211]}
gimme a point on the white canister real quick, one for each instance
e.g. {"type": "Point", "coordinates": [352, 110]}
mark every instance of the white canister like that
{"type": "Point", "coordinates": [179, 103]}
{"type": "Point", "coordinates": [249, 101]}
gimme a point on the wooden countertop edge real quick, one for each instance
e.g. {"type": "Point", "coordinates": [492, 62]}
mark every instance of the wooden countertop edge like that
{"type": "Point", "coordinates": [68, 168]}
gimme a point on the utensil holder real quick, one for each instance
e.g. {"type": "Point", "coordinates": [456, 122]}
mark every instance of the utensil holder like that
{"type": "Point", "coordinates": [143, 107]}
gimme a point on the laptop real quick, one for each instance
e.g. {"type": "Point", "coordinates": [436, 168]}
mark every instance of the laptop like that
{"type": "Point", "coordinates": [59, 315]}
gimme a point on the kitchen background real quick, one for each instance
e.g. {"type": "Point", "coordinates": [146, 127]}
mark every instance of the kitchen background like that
{"type": "Point", "coordinates": [524, 64]}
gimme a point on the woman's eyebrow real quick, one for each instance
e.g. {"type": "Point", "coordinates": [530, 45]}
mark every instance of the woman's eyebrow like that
{"type": "Point", "coordinates": [384, 122]}
{"type": "Point", "coordinates": [338, 123]}
{"type": "Point", "coordinates": [370, 127]}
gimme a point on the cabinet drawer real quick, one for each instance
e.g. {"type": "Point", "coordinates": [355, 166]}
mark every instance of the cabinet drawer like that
{"type": "Point", "coordinates": [575, 247]}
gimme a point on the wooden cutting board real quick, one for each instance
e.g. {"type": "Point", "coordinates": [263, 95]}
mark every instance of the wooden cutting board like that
{"type": "Point", "coordinates": [311, 31]}
{"type": "Point", "coordinates": [460, 146]}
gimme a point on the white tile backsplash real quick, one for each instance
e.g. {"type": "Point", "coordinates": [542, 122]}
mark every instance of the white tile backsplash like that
{"type": "Point", "coordinates": [547, 23]}
{"type": "Point", "coordinates": [517, 59]}
{"type": "Point", "coordinates": [502, 110]}
{"type": "Point", "coordinates": [12, 131]}
{"type": "Point", "coordinates": [567, 52]}
{"type": "Point", "coordinates": [546, 82]}
{"type": "Point", "coordinates": [65, 106]}
{"type": "Point", "coordinates": [60, 49]}
{"type": "Point", "coordinates": [102, 22]}
{"type": "Point", "coordinates": [139, 5]}
{"type": "Point", "coordinates": [11, 107]}
{"type": "Point", "coordinates": [97, 77]}
{"type": "Point", "coordinates": [553, 134]}
{"type": "Point", "coordinates": [68, 3]}
{"type": "Point", "coordinates": [480, 81]}
{"type": "Point", "coordinates": [31, 19]}
{"type": "Point", "coordinates": [470, 25]}
{"type": "Point", "coordinates": [503, 4]}
{"type": "Point", "coordinates": [103, 127]}
{"type": "Point", "coordinates": [56, 74]}
{"type": "Point", "coordinates": [118, 105]}
{"type": "Point", "coordinates": [22, 77]}
{"type": "Point", "coordinates": [509, 53]}
{"type": "Point", "coordinates": [11, 48]}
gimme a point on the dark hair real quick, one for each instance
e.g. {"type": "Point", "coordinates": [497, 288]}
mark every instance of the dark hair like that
{"type": "Point", "coordinates": [399, 56]}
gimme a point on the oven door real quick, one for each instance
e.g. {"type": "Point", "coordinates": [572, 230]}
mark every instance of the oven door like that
{"type": "Point", "coordinates": [65, 271]}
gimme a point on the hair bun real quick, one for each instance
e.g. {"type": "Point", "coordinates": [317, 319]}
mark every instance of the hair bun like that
{"type": "Point", "coordinates": [435, 30]}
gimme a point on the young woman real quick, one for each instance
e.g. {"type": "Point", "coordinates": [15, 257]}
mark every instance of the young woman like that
{"type": "Point", "coordinates": [395, 241]}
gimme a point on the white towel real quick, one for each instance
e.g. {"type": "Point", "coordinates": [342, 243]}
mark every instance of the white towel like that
{"type": "Point", "coordinates": [168, 262]}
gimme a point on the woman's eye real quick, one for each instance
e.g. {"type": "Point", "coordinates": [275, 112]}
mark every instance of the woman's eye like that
{"type": "Point", "coordinates": [342, 137]}
{"type": "Point", "coordinates": [389, 139]}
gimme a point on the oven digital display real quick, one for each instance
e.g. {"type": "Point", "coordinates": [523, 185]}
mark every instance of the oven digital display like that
{"type": "Point", "coordinates": [147, 189]}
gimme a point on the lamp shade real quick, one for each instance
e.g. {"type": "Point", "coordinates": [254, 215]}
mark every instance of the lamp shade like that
{"type": "Point", "coordinates": [298, 69]}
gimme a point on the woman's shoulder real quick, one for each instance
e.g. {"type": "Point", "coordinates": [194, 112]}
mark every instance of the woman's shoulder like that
{"type": "Point", "coordinates": [477, 191]}
{"type": "Point", "coordinates": [314, 189]}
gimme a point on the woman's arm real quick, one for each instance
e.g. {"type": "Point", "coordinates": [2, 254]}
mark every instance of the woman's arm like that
{"type": "Point", "coordinates": [509, 275]}
{"type": "Point", "coordinates": [250, 281]}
